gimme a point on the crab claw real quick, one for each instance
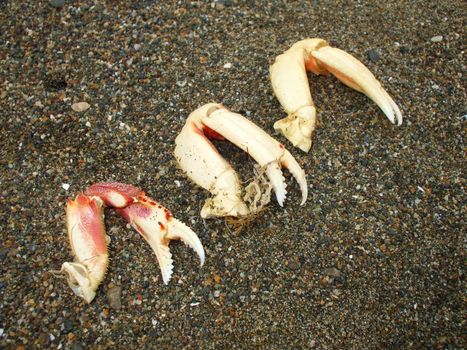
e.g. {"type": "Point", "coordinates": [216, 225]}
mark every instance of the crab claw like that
{"type": "Point", "coordinates": [88, 241]}
{"type": "Point", "coordinates": [201, 161]}
{"type": "Point", "coordinates": [290, 85]}
{"type": "Point", "coordinates": [194, 157]}
{"type": "Point", "coordinates": [157, 226]}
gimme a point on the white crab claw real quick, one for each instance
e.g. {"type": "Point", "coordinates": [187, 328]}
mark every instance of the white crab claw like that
{"type": "Point", "coordinates": [201, 161]}
{"type": "Point", "coordinates": [86, 234]}
{"type": "Point", "coordinates": [265, 150]}
{"type": "Point", "coordinates": [291, 87]}
{"type": "Point", "coordinates": [199, 158]}
{"type": "Point", "coordinates": [354, 74]}
{"type": "Point", "coordinates": [157, 226]}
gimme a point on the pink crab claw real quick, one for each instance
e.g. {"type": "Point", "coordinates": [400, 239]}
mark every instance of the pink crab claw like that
{"type": "Point", "coordinates": [89, 243]}
{"type": "Point", "coordinates": [201, 161]}
{"type": "Point", "coordinates": [290, 85]}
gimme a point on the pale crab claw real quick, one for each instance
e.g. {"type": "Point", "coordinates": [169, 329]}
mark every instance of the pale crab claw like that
{"type": "Point", "coordinates": [157, 226]}
{"type": "Point", "coordinates": [88, 241]}
{"type": "Point", "coordinates": [199, 158]}
{"type": "Point", "coordinates": [201, 161]}
{"type": "Point", "coordinates": [290, 85]}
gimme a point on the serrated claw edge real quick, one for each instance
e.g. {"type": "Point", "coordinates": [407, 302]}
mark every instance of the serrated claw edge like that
{"type": "Point", "coordinates": [178, 230]}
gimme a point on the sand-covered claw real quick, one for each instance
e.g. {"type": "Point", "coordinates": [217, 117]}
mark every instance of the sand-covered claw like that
{"type": "Point", "coordinates": [199, 158]}
{"type": "Point", "coordinates": [88, 240]}
{"type": "Point", "coordinates": [291, 87]}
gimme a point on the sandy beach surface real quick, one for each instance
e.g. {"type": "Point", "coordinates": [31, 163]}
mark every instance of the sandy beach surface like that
{"type": "Point", "coordinates": [374, 260]}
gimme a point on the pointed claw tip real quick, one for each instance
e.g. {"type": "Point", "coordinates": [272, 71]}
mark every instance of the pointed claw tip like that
{"type": "Point", "coordinates": [201, 259]}
{"type": "Point", "coordinates": [399, 119]}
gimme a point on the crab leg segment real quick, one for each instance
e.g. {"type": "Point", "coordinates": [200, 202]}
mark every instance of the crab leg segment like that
{"type": "Point", "coordinates": [290, 85]}
{"type": "Point", "coordinates": [88, 241]}
{"type": "Point", "coordinates": [199, 158]}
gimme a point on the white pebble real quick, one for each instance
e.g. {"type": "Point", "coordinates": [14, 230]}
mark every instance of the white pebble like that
{"type": "Point", "coordinates": [177, 183]}
{"type": "Point", "coordinates": [66, 186]}
{"type": "Point", "coordinates": [137, 47]}
{"type": "Point", "coordinates": [228, 65]}
{"type": "Point", "coordinates": [437, 38]}
{"type": "Point", "coordinates": [154, 322]}
{"type": "Point", "coordinates": [80, 106]}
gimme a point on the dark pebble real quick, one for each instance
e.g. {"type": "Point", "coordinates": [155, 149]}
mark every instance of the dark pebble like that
{"type": "Point", "coordinates": [223, 3]}
{"type": "Point", "coordinates": [4, 253]}
{"type": "Point", "coordinates": [57, 3]}
{"type": "Point", "coordinates": [67, 325]}
{"type": "Point", "coordinates": [373, 55]}
{"type": "Point", "coordinates": [404, 50]}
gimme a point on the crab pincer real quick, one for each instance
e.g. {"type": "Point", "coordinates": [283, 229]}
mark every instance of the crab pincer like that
{"type": "Point", "coordinates": [201, 161]}
{"type": "Point", "coordinates": [290, 84]}
{"type": "Point", "coordinates": [88, 240]}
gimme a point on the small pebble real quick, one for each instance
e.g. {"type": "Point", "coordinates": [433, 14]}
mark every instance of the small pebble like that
{"type": "Point", "coordinates": [67, 325]}
{"type": "Point", "coordinates": [114, 297]}
{"type": "Point", "coordinates": [332, 272]}
{"type": "Point", "coordinates": [219, 4]}
{"type": "Point", "coordinates": [66, 186]}
{"type": "Point", "coordinates": [228, 65]}
{"type": "Point", "coordinates": [137, 47]}
{"type": "Point", "coordinates": [76, 346]}
{"type": "Point", "coordinates": [57, 3]}
{"type": "Point", "coordinates": [373, 55]}
{"type": "Point", "coordinates": [80, 106]}
{"type": "Point", "coordinates": [437, 38]}
{"type": "Point", "coordinates": [293, 265]}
